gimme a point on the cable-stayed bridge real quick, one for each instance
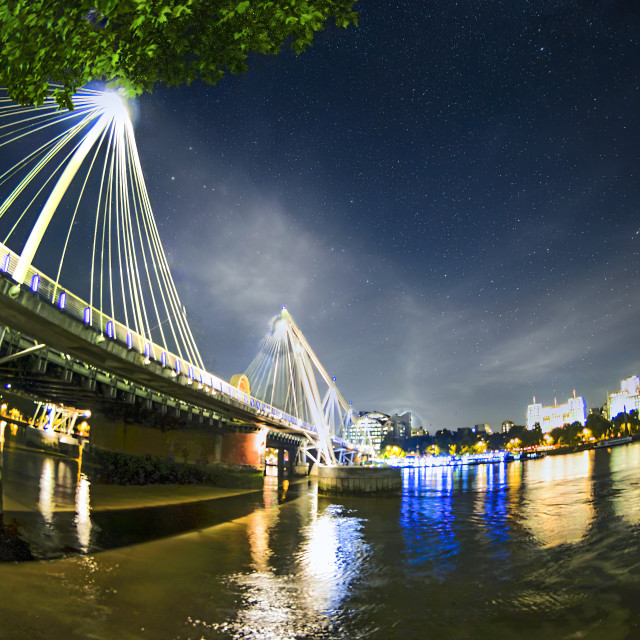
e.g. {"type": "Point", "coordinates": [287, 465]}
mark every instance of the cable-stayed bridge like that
{"type": "Point", "coordinates": [84, 277]}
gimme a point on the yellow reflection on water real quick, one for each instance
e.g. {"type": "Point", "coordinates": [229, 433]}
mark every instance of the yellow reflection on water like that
{"type": "Point", "coordinates": [286, 601]}
{"type": "Point", "coordinates": [481, 477]}
{"type": "Point", "coordinates": [625, 461]}
{"type": "Point", "coordinates": [259, 524]}
{"type": "Point", "coordinates": [320, 569]}
{"type": "Point", "coordinates": [557, 505]}
{"type": "Point", "coordinates": [331, 557]}
{"type": "Point", "coordinates": [514, 476]}
{"type": "Point", "coordinates": [47, 485]}
{"type": "Point", "coordinates": [83, 513]}
{"type": "Point", "coordinates": [266, 605]}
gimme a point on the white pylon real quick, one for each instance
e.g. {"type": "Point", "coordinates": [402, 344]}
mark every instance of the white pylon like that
{"type": "Point", "coordinates": [79, 162]}
{"type": "Point", "coordinates": [35, 237]}
{"type": "Point", "coordinates": [284, 374]}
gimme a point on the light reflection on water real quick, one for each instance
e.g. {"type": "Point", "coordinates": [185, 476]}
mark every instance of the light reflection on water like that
{"type": "Point", "coordinates": [83, 512]}
{"type": "Point", "coordinates": [557, 505]}
{"type": "Point", "coordinates": [545, 548]}
{"type": "Point", "coordinates": [301, 598]}
{"type": "Point", "coordinates": [47, 485]}
{"type": "Point", "coordinates": [625, 462]}
{"type": "Point", "coordinates": [331, 557]}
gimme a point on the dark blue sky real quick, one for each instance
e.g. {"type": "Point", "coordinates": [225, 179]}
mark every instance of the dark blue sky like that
{"type": "Point", "coordinates": [446, 198]}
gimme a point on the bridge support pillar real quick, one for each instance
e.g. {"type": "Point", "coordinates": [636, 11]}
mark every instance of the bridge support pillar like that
{"type": "Point", "coordinates": [364, 481]}
{"type": "Point", "coordinates": [281, 463]}
{"type": "Point", "coordinates": [285, 466]}
{"type": "Point", "coordinates": [230, 445]}
{"type": "Point", "coordinates": [244, 449]}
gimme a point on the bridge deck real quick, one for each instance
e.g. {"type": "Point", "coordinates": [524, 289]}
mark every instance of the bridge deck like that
{"type": "Point", "coordinates": [47, 324]}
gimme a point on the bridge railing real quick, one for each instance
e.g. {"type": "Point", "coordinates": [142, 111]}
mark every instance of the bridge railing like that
{"type": "Point", "coordinates": [108, 328]}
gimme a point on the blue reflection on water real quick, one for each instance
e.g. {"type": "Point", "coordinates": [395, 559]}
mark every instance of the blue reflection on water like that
{"type": "Point", "coordinates": [428, 524]}
{"type": "Point", "coordinates": [444, 507]}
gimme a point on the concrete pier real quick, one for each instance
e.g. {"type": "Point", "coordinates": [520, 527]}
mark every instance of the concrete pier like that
{"type": "Point", "coordinates": [363, 481]}
{"type": "Point", "coordinates": [189, 444]}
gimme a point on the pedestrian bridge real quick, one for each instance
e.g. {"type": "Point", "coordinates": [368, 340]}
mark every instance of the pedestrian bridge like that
{"type": "Point", "coordinates": [131, 324]}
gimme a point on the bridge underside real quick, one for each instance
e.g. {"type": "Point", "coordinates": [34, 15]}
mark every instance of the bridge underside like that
{"type": "Point", "coordinates": [129, 418]}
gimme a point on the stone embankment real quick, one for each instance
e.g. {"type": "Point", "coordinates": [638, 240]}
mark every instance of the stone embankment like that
{"type": "Point", "coordinates": [362, 481]}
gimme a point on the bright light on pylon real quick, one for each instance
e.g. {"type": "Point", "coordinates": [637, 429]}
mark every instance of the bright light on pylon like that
{"type": "Point", "coordinates": [112, 104]}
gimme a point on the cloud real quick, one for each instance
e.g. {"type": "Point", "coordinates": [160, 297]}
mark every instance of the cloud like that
{"type": "Point", "coordinates": [258, 264]}
{"type": "Point", "coordinates": [468, 348]}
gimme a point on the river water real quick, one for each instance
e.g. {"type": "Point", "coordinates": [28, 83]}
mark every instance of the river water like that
{"type": "Point", "coordinates": [542, 549]}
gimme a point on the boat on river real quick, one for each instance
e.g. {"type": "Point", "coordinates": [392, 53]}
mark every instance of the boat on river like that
{"type": "Point", "coordinates": [613, 442]}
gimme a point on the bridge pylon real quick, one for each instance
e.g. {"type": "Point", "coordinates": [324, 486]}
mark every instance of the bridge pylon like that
{"type": "Point", "coordinates": [286, 372]}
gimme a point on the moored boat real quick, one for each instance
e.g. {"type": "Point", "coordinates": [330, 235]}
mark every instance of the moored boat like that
{"type": "Point", "coordinates": [612, 442]}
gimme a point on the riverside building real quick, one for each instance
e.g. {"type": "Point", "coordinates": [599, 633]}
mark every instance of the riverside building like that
{"type": "Point", "coordinates": [372, 426]}
{"type": "Point", "coordinates": [369, 429]}
{"type": "Point", "coordinates": [625, 400]}
{"type": "Point", "coordinates": [574, 410]}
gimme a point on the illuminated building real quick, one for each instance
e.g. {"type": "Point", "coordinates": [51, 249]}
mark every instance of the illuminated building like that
{"type": "Point", "coordinates": [372, 426]}
{"type": "Point", "coordinates": [507, 424]}
{"type": "Point", "coordinates": [400, 424]}
{"type": "Point", "coordinates": [369, 429]}
{"type": "Point", "coordinates": [625, 400]}
{"type": "Point", "coordinates": [574, 410]}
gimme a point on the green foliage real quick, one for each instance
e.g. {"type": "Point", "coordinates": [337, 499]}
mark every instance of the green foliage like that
{"type": "Point", "coordinates": [569, 435]}
{"type": "Point", "coordinates": [557, 434]}
{"type": "Point", "coordinates": [573, 433]}
{"type": "Point", "coordinates": [138, 43]}
{"type": "Point", "coordinates": [12, 547]}
{"type": "Point", "coordinates": [625, 424]}
{"type": "Point", "coordinates": [598, 425]}
{"type": "Point", "coordinates": [389, 439]}
{"type": "Point", "coordinates": [496, 441]}
{"type": "Point", "coordinates": [392, 451]}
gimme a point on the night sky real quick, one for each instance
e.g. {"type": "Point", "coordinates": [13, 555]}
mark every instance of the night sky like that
{"type": "Point", "coordinates": [446, 199]}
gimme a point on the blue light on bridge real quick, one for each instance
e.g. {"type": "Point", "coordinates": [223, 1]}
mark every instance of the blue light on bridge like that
{"type": "Point", "coordinates": [147, 350]}
{"type": "Point", "coordinates": [86, 316]}
{"type": "Point", "coordinates": [35, 282]}
{"type": "Point", "coordinates": [5, 263]}
{"type": "Point", "coordinates": [163, 358]}
{"type": "Point", "coordinates": [129, 340]}
{"type": "Point", "coordinates": [190, 372]}
{"type": "Point", "coordinates": [110, 328]}
{"type": "Point", "coordinates": [62, 300]}
{"type": "Point", "coordinates": [177, 365]}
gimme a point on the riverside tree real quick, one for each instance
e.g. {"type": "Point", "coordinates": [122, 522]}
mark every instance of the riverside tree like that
{"type": "Point", "coordinates": [135, 44]}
